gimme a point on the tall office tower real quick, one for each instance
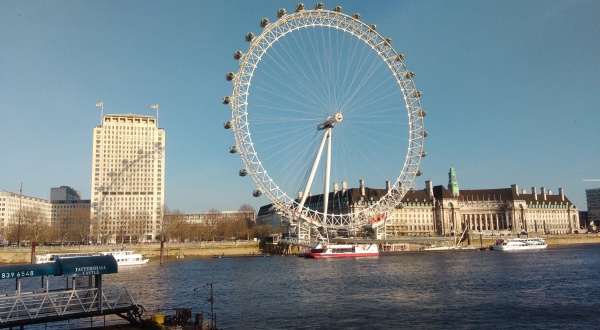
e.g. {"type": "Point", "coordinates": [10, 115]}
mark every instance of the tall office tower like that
{"type": "Point", "coordinates": [128, 176]}
{"type": "Point", "coordinates": [593, 205]}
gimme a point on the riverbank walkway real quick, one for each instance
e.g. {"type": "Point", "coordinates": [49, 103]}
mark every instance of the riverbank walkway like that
{"type": "Point", "coordinates": [81, 300]}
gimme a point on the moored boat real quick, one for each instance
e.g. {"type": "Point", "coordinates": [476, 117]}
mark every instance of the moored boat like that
{"type": "Point", "coordinates": [343, 251]}
{"type": "Point", "coordinates": [517, 244]}
{"type": "Point", "coordinates": [126, 258]}
{"type": "Point", "coordinates": [123, 258]}
{"type": "Point", "coordinates": [51, 257]}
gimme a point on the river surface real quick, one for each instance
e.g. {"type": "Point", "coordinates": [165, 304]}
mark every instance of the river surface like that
{"type": "Point", "coordinates": [556, 288]}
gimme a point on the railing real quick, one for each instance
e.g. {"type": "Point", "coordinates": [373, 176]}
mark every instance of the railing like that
{"type": "Point", "coordinates": [28, 307]}
{"type": "Point", "coordinates": [299, 242]}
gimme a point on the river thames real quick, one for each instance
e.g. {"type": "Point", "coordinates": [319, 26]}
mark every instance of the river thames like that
{"type": "Point", "coordinates": [556, 288]}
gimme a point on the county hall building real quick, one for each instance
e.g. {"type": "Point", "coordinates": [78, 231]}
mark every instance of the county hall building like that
{"type": "Point", "coordinates": [447, 211]}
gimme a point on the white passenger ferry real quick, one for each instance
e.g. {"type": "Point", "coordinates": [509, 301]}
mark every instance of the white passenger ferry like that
{"type": "Point", "coordinates": [343, 251]}
{"type": "Point", "coordinates": [126, 258]}
{"type": "Point", "coordinates": [123, 258]}
{"type": "Point", "coordinates": [517, 244]}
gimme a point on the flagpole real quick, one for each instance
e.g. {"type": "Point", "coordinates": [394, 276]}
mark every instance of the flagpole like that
{"type": "Point", "coordinates": [101, 105]}
{"type": "Point", "coordinates": [155, 106]}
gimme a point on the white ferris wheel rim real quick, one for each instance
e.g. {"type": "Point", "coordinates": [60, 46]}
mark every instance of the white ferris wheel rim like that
{"type": "Point", "coordinates": [282, 200]}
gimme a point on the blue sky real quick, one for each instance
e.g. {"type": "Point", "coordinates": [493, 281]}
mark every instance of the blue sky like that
{"type": "Point", "coordinates": [511, 89]}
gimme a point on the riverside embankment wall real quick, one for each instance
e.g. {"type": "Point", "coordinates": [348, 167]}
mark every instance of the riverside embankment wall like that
{"type": "Point", "coordinates": [171, 250]}
{"type": "Point", "coordinates": [208, 249]}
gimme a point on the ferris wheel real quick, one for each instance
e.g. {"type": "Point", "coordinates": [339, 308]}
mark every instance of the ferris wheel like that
{"type": "Point", "coordinates": [320, 100]}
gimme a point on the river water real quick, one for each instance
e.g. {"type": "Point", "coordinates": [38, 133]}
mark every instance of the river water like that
{"type": "Point", "coordinates": [556, 288]}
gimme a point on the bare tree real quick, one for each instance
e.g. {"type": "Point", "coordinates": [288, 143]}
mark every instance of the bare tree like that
{"type": "Point", "coordinates": [80, 225]}
{"type": "Point", "coordinates": [211, 221]}
{"type": "Point", "coordinates": [33, 223]}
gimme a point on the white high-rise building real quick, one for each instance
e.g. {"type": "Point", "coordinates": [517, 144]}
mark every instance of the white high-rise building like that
{"type": "Point", "coordinates": [128, 175]}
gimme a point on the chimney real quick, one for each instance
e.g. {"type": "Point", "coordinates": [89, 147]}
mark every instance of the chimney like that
{"type": "Point", "coordinates": [387, 186]}
{"type": "Point", "coordinates": [344, 187]}
{"type": "Point", "coordinates": [534, 193]}
{"type": "Point", "coordinates": [562, 194]}
{"type": "Point", "coordinates": [523, 191]}
{"type": "Point", "coordinates": [336, 187]}
{"type": "Point", "coordinates": [429, 189]}
{"type": "Point", "coordinates": [543, 193]}
{"type": "Point", "coordinates": [300, 194]}
{"type": "Point", "coordinates": [549, 192]}
{"type": "Point", "coordinates": [515, 189]}
{"type": "Point", "coordinates": [361, 183]}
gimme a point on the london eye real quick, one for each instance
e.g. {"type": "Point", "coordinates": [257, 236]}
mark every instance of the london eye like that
{"type": "Point", "coordinates": [321, 101]}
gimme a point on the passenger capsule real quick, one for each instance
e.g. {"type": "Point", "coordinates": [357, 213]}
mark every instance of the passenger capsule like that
{"type": "Point", "coordinates": [228, 124]}
{"type": "Point", "coordinates": [233, 149]}
{"type": "Point", "coordinates": [419, 173]}
{"type": "Point", "coordinates": [226, 100]}
{"type": "Point", "coordinates": [423, 113]}
{"type": "Point", "coordinates": [356, 16]}
{"type": "Point", "coordinates": [338, 9]}
{"type": "Point", "coordinates": [243, 172]}
{"type": "Point", "coordinates": [418, 94]}
{"type": "Point", "coordinates": [249, 36]}
{"type": "Point", "coordinates": [281, 12]}
{"type": "Point", "coordinates": [256, 193]}
{"type": "Point", "coordinates": [424, 134]}
{"type": "Point", "coordinates": [319, 6]}
{"type": "Point", "coordinates": [373, 27]}
{"type": "Point", "coordinates": [238, 55]}
{"type": "Point", "coordinates": [264, 22]}
{"type": "Point", "coordinates": [409, 74]}
{"type": "Point", "coordinates": [229, 76]}
{"type": "Point", "coordinates": [388, 40]}
{"type": "Point", "coordinates": [299, 7]}
{"type": "Point", "coordinates": [423, 153]}
{"type": "Point", "coordinates": [399, 57]}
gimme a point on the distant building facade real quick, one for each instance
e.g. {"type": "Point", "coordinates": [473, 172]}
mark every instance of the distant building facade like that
{"type": "Point", "coordinates": [64, 193]}
{"type": "Point", "coordinates": [128, 175]}
{"type": "Point", "coordinates": [213, 217]}
{"type": "Point", "coordinates": [67, 213]}
{"type": "Point", "coordinates": [593, 205]}
{"type": "Point", "coordinates": [11, 203]}
{"type": "Point", "coordinates": [447, 211]}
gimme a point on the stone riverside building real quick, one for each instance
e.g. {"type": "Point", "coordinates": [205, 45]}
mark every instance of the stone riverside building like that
{"type": "Point", "coordinates": [446, 211]}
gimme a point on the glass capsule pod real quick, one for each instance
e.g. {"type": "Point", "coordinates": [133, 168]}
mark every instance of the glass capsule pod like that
{"type": "Point", "coordinates": [256, 193]}
{"type": "Point", "coordinates": [226, 100]}
{"type": "Point", "coordinates": [264, 22]}
{"type": "Point", "coordinates": [233, 149]}
{"type": "Point", "coordinates": [249, 36]}
{"type": "Point", "coordinates": [299, 7]}
{"type": "Point", "coordinates": [229, 76]}
{"type": "Point", "coordinates": [228, 124]}
{"type": "Point", "coordinates": [243, 172]}
{"type": "Point", "coordinates": [281, 12]}
{"type": "Point", "coordinates": [238, 55]}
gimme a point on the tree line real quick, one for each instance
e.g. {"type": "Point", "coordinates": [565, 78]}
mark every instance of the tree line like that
{"type": "Point", "coordinates": [75, 227]}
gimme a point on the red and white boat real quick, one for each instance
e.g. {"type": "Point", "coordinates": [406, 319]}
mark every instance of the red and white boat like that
{"type": "Point", "coordinates": [343, 251]}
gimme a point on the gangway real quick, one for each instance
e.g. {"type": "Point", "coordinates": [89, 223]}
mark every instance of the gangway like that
{"type": "Point", "coordinates": [51, 305]}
